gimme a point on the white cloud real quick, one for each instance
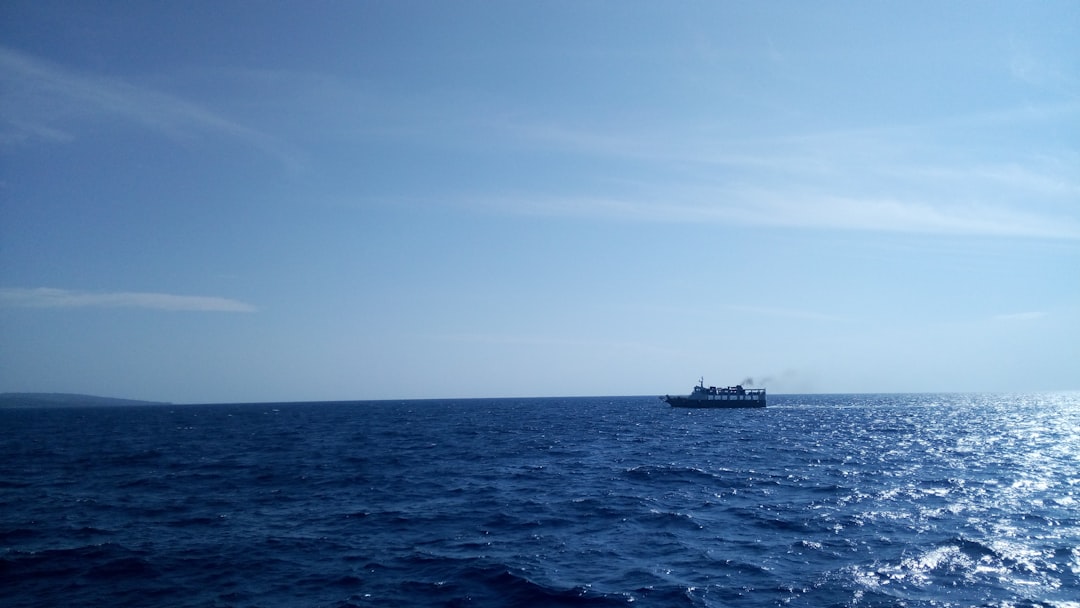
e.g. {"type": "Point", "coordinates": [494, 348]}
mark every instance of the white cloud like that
{"type": "Point", "coordinates": [794, 209]}
{"type": "Point", "coordinates": [42, 101]}
{"type": "Point", "coordinates": [1021, 316]}
{"type": "Point", "coordinates": [44, 297]}
{"type": "Point", "coordinates": [899, 215]}
{"type": "Point", "coordinates": [927, 179]}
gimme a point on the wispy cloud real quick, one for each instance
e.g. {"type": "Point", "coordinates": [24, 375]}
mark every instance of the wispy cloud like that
{"type": "Point", "coordinates": [927, 216]}
{"type": "Point", "coordinates": [46, 101]}
{"type": "Point", "coordinates": [788, 313]}
{"type": "Point", "coordinates": [1021, 316]}
{"type": "Point", "coordinates": [45, 297]}
{"type": "Point", "coordinates": [796, 209]}
{"type": "Point", "coordinates": [914, 179]}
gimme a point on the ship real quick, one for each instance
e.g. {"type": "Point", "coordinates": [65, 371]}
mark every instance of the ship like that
{"type": "Point", "coordinates": [723, 397]}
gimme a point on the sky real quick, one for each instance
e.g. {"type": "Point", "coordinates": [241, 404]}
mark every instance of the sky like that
{"type": "Point", "coordinates": [215, 201]}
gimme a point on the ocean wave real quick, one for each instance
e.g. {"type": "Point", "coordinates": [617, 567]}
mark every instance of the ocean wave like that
{"type": "Point", "coordinates": [454, 582]}
{"type": "Point", "coordinates": [968, 571]}
{"type": "Point", "coordinates": [671, 474]}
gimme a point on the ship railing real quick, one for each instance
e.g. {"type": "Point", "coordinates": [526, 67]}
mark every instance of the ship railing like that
{"type": "Point", "coordinates": [734, 390]}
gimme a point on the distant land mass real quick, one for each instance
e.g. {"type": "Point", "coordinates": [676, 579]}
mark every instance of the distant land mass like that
{"type": "Point", "coordinates": [16, 400]}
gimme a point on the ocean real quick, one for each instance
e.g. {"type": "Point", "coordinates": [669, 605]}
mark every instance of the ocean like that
{"type": "Point", "coordinates": [817, 500]}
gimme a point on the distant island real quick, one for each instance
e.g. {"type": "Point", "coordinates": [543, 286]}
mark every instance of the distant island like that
{"type": "Point", "coordinates": [40, 400]}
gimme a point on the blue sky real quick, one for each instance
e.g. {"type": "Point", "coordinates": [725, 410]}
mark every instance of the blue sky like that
{"type": "Point", "coordinates": [233, 201]}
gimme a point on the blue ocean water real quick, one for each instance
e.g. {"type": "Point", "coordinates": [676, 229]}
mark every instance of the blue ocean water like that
{"type": "Point", "coordinates": [823, 500]}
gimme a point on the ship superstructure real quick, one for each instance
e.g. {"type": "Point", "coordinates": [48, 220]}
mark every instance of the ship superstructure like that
{"type": "Point", "coordinates": [719, 397]}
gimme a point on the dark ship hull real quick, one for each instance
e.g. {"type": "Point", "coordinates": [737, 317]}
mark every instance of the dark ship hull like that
{"type": "Point", "coordinates": [699, 403]}
{"type": "Point", "coordinates": [724, 397]}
